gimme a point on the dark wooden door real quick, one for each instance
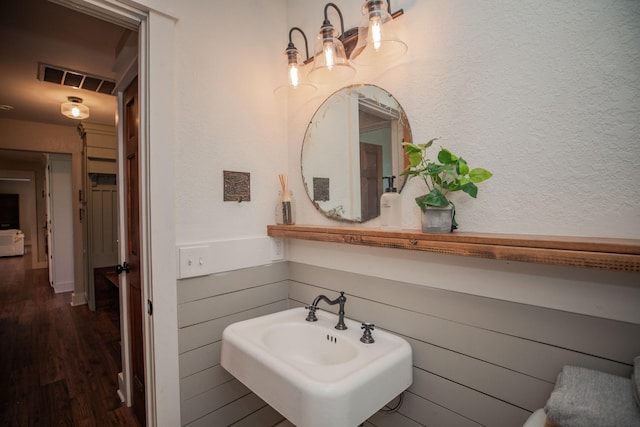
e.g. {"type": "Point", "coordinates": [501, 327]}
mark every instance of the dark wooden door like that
{"type": "Point", "coordinates": [370, 180]}
{"type": "Point", "coordinates": [134, 291]}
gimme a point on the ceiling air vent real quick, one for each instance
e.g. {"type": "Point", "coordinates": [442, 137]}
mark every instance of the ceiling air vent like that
{"type": "Point", "coordinates": [77, 79]}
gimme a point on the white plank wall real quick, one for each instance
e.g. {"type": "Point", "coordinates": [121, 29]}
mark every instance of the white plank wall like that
{"type": "Point", "coordinates": [209, 395]}
{"type": "Point", "coordinates": [477, 361]}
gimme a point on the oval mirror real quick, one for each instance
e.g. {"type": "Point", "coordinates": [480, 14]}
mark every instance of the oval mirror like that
{"type": "Point", "coordinates": [352, 142]}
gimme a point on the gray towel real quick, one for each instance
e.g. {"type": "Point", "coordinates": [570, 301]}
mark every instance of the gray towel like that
{"type": "Point", "coordinates": [586, 398]}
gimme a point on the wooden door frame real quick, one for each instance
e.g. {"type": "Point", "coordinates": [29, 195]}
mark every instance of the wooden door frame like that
{"type": "Point", "coordinates": [157, 233]}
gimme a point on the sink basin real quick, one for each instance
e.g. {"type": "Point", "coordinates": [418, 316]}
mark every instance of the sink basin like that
{"type": "Point", "coordinates": [312, 373]}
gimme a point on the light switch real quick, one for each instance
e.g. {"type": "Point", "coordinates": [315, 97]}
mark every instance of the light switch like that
{"type": "Point", "coordinates": [194, 261]}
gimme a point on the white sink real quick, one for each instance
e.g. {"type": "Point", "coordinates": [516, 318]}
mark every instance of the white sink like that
{"type": "Point", "coordinates": [312, 373]}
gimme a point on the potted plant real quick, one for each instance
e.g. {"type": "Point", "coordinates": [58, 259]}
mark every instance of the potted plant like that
{"type": "Point", "coordinates": [451, 174]}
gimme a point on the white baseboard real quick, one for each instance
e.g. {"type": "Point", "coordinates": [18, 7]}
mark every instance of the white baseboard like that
{"type": "Point", "coordinates": [61, 287]}
{"type": "Point", "coordinates": [77, 299]}
{"type": "Point", "coordinates": [121, 388]}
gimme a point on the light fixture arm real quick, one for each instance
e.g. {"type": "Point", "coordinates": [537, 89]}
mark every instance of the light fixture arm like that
{"type": "Point", "coordinates": [306, 44]}
{"type": "Point", "coordinates": [396, 13]}
{"type": "Point", "coordinates": [326, 18]}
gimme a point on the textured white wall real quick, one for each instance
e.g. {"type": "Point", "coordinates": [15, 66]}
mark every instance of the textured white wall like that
{"type": "Point", "coordinates": [227, 117]}
{"type": "Point", "coordinates": [211, 107]}
{"type": "Point", "coordinates": [546, 95]}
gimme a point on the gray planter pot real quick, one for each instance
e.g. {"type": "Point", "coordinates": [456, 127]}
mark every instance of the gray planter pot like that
{"type": "Point", "coordinates": [437, 220]}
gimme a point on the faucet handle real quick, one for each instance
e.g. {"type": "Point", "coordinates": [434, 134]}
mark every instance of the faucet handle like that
{"type": "Point", "coordinates": [366, 336]}
{"type": "Point", "coordinates": [311, 317]}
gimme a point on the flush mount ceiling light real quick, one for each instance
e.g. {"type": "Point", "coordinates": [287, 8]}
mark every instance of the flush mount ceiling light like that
{"type": "Point", "coordinates": [330, 62]}
{"type": "Point", "coordinates": [377, 41]}
{"type": "Point", "coordinates": [74, 108]}
{"type": "Point", "coordinates": [294, 84]}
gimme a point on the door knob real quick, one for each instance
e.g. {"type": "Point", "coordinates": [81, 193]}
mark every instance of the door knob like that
{"type": "Point", "coordinates": [124, 267]}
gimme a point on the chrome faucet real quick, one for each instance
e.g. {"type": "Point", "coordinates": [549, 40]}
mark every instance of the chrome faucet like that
{"type": "Point", "coordinates": [311, 317]}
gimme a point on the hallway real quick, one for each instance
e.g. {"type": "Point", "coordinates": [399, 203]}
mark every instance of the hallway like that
{"type": "Point", "coordinates": [59, 364]}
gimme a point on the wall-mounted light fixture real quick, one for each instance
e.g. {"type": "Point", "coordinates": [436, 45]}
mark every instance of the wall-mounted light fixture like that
{"type": "Point", "coordinates": [374, 42]}
{"type": "Point", "coordinates": [377, 41]}
{"type": "Point", "coordinates": [74, 109]}
{"type": "Point", "coordinates": [294, 79]}
{"type": "Point", "coordinates": [330, 62]}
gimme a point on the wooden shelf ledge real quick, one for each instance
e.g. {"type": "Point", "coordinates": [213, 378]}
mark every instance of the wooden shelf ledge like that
{"type": "Point", "coordinates": [591, 252]}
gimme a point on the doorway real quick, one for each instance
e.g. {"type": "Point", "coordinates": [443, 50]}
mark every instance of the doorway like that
{"type": "Point", "coordinates": [22, 174]}
{"type": "Point", "coordinates": [32, 140]}
{"type": "Point", "coordinates": [370, 180]}
{"type": "Point", "coordinates": [156, 29]}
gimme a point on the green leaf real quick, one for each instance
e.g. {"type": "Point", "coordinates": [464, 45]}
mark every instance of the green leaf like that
{"type": "Point", "coordinates": [454, 185]}
{"type": "Point", "coordinates": [415, 158]}
{"type": "Point", "coordinates": [433, 168]}
{"type": "Point", "coordinates": [471, 189]}
{"type": "Point", "coordinates": [446, 157]}
{"type": "Point", "coordinates": [446, 170]}
{"type": "Point", "coordinates": [411, 148]}
{"type": "Point", "coordinates": [434, 198]}
{"type": "Point", "coordinates": [436, 173]}
{"type": "Point", "coordinates": [479, 175]}
{"type": "Point", "coordinates": [461, 166]}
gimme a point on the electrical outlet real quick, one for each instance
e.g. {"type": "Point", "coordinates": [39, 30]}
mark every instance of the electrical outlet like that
{"type": "Point", "coordinates": [193, 261]}
{"type": "Point", "coordinates": [277, 249]}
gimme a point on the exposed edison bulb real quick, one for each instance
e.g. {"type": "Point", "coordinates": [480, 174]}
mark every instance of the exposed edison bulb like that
{"type": "Point", "coordinates": [328, 55]}
{"type": "Point", "coordinates": [331, 63]}
{"type": "Point", "coordinates": [375, 32]}
{"type": "Point", "coordinates": [294, 75]}
{"type": "Point", "coordinates": [377, 44]}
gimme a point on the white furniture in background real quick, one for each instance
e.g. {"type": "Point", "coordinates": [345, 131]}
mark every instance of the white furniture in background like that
{"type": "Point", "coordinates": [11, 242]}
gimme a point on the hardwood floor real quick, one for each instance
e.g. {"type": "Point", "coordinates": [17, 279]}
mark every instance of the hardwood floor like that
{"type": "Point", "coordinates": [58, 364]}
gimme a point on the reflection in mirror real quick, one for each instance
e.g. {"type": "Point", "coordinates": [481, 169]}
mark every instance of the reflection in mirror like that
{"type": "Point", "coordinates": [353, 140]}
